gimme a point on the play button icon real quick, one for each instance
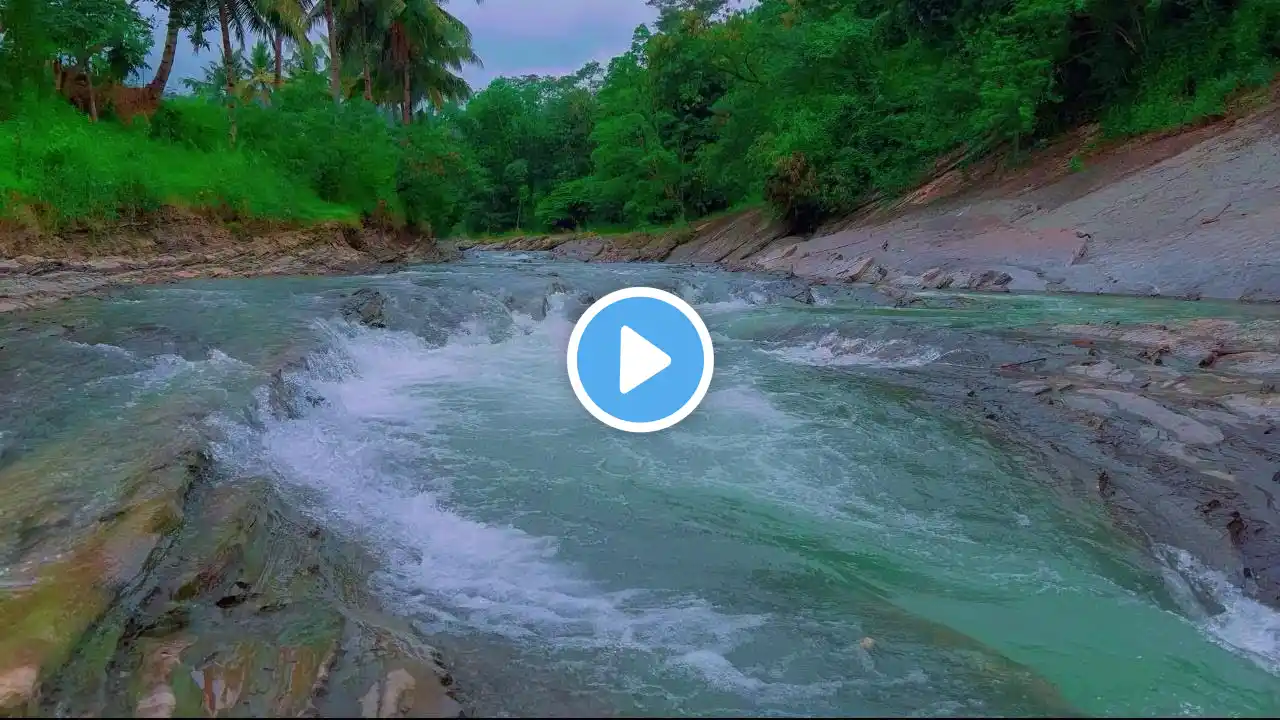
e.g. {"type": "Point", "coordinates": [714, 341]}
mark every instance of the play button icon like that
{"type": "Point", "coordinates": [640, 359]}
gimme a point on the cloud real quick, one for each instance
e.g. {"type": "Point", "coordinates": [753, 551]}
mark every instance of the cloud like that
{"type": "Point", "coordinates": [512, 37]}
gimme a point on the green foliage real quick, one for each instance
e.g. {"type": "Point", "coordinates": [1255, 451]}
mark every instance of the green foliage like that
{"type": "Point", "coordinates": [347, 153]}
{"type": "Point", "coordinates": [66, 169]}
{"type": "Point", "coordinates": [817, 106]}
{"type": "Point", "coordinates": [107, 37]}
{"type": "Point", "coordinates": [813, 106]}
{"type": "Point", "coordinates": [24, 47]}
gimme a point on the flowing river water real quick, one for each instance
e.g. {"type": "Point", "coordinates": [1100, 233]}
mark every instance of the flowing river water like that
{"type": "Point", "coordinates": [816, 539]}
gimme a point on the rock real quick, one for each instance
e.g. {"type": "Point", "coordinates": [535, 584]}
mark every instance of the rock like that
{"type": "Point", "coordinates": [1034, 387]}
{"type": "Point", "coordinates": [899, 296]}
{"type": "Point", "coordinates": [936, 279]}
{"type": "Point", "coordinates": [1104, 370]}
{"type": "Point", "coordinates": [158, 699]}
{"type": "Point", "coordinates": [852, 271]}
{"type": "Point", "coordinates": [400, 694]}
{"type": "Point", "coordinates": [991, 281]}
{"type": "Point", "coordinates": [367, 307]}
{"type": "Point", "coordinates": [254, 611]}
{"type": "Point", "coordinates": [43, 619]}
{"type": "Point", "coordinates": [1186, 429]}
{"type": "Point", "coordinates": [797, 290]}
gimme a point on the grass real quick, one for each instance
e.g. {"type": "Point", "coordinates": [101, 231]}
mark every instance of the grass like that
{"type": "Point", "coordinates": [58, 169]}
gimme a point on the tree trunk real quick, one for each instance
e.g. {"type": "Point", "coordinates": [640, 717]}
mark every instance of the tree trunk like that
{"type": "Point", "coordinates": [93, 98]}
{"type": "Point", "coordinates": [406, 106]}
{"type": "Point", "coordinates": [228, 66]}
{"type": "Point", "coordinates": [279, 58]}
{"type": "Point", "coordinates": [335, 70]}
{"type": "Point", "coordinates": [368, 82]}
{"type": "Point", "coordinates": [161, 79]}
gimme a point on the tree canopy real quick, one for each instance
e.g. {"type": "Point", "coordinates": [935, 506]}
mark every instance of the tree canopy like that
{"type": "Point", "coordinates": [811, 106]}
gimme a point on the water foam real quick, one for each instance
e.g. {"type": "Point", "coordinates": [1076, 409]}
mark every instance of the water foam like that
{"type": "Point", "coordinates": [836, 350]}
{"type": "Point", "coordinates": [1244, 626]}
{"type": "Point", "coordinates": [360, 458]}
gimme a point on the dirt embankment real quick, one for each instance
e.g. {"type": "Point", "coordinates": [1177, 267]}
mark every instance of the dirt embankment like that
{"type": "Point", "coordinates": [1191, 214]}
{"type": "Point", "coordinates": [38, 269]}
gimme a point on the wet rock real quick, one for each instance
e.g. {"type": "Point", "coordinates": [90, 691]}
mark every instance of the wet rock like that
{"type": "Point", "coordinates": [535, 306]}
{"type": "Point", "coordinates": [1186, 429]}
{"type": "Point", "coordinates": [159, 660]}
{"type": "Point", "coordinates": [367, 307]}
{"type": "Point", "coordinates": [899, 296]}
{"type": "Point", "coordinates": [257, 611]}
{"type": "Point", "coordinates": [852, 270]}
{"type": "Point", "coordinates": [936, 279]}
{"type": "Point", "coordinates": [991, 281]}
{"type": "Point", "coordinates": [1103, 370]}
{"type": "Point", "coordinates": [56, 603]}
{"type": "Point", "coordinates": [1034, 387]}
{"type": "Point", "coordinates": [401, 694]}
{"type": "Point", "coordinates": [796, 290]}
{"type": "Point", "coordinates": [1248, 363]}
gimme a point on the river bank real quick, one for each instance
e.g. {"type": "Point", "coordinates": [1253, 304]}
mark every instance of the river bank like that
{"type": "Point", "coordinates": [1190, 215]}
{"type": "Point", "coordinates": [37, 270]}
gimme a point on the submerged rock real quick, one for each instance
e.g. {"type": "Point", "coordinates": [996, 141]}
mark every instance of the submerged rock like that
{"type": "Point", "coordinates": [367, 307]}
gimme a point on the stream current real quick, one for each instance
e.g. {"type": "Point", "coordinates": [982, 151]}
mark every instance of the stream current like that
{"type": "Point", "coordinates": [815, 539]}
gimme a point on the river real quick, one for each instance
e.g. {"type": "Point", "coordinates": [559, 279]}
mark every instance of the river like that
{"type": "Point", "coordinates": [816, 539]}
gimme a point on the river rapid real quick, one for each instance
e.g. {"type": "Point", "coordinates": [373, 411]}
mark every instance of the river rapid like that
{"type": "Point", "coordinates": [818, 538]}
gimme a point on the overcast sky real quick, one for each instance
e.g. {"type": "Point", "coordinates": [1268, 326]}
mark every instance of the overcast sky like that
{"type": "Point", "coordinates": [512, 37]}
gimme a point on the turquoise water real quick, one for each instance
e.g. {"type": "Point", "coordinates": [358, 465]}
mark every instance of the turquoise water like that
{"type": "Point", "coordinates": [814, 540]}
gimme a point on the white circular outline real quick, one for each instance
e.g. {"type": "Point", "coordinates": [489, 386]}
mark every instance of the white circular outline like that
{"type": "Point", "coordinates": [708, 360]}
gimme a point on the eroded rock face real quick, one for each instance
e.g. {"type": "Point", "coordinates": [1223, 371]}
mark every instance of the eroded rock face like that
{"type": "Point", "coordinates": [253, 611]}
{"type": "Point", "coordinates": [190, 595]}
{"type": "Point", "coordinates": [57, 601]}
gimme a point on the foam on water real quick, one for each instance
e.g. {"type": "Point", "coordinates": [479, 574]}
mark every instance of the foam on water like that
{"type": "Point", "coordinates": [834, 349]}
{"type": "Point", "coordinates": [1244, 626]}
{"type": "Point", "coordinates": [374, 460]}
{"type": "Point", "coordinates": [359, 458]}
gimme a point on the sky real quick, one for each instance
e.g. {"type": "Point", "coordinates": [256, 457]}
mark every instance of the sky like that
{"type": "Point", "coordinates": [512, 37]}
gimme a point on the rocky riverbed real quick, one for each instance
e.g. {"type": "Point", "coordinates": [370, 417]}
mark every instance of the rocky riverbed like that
{"type": "Point", "coordinates": [313, 495]}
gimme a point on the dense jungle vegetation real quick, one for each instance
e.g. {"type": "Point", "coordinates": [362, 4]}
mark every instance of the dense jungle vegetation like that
{"type": "Point", "coordinates": [811, 106]}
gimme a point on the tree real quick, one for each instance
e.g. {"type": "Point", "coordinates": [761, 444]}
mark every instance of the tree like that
{"type": "Point", "coordinates": [260, 77]}
{"type": "Point", "coordinates": [426, 48]}
{"type": "Point", "coordinates": [362, 24]}
{"type": "Point", "coordinates": [288, 20]}
{"type": "Point", "coordinates": [261, 17]}
{"type": "Point", "coordinates": [107, 35]}
{"type": "Point", "coordinates": [195, 16]}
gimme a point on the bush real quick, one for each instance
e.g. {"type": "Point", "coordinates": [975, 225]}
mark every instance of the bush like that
{"type": "Point", "coordinates": [568, 206]}
{"type": "Point", "coordinates": [68, 169]}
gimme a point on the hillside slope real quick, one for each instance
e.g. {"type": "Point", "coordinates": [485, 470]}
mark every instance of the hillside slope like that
{"type": "Point", "coordinates": [1192, 214]}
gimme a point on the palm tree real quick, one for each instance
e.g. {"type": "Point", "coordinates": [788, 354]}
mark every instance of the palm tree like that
{"type": "Point", "coordinates": [324, 11]}
{"type": "Point", "coordinates": [426, 48]}
{"type": "Point", "coordinates": [259, 80]}
{"type": "Point", "coordinates": [260, 17]}
{"type": "Point", "coordinates": [362, 26]}
{"type": "Point", "coordinates": [289, 20]}
{"type": "Point", "coordinates": [214, 84]}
